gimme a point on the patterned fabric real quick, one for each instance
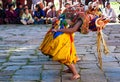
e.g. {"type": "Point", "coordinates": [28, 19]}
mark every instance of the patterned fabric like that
{"type": "Point", "coordinates": [61, 24]}
{"type": "Point", "coordinates": [85, 25]}
{"type": "Point", "coordinates": [92, 25]}
{"type": "Point", "coordinates": [60, 46]}
{"type": "Point", "coordinates": [73, 14]}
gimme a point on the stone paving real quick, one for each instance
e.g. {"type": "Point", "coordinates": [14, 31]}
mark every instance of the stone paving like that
{"type": "Point", "coordinates": [21, 61]}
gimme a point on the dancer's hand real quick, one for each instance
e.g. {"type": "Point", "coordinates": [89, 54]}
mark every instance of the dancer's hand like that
{"type": "Point", "coordinates": [54, 30]}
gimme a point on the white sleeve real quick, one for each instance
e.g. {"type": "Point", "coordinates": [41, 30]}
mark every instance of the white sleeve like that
{"type": "Point", "coordinates": [112, 14]}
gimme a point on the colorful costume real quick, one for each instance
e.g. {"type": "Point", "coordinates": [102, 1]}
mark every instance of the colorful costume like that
{"type": "Point", "coordinates": [60, 46]}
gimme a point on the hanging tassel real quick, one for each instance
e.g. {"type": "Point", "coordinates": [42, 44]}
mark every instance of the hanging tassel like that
{"type": "Point", "coordinates": [100, 41]}
{"type": "Point", "coordinates": [99, 49]}
{"type": "Point", "coordinates": [106, 51]}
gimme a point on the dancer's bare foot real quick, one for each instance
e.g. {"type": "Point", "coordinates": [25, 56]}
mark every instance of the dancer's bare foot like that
{"type": "Point", "coordinates": [74, 77]}
{"type": "Point", "coordinates": [67, 71]}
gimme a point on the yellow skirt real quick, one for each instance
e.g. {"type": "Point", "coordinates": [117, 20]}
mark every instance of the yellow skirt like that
{"type": "Point", "coordinates": [61, 48]}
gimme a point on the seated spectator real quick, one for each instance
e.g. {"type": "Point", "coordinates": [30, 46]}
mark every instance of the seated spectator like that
{"type": "Point", "coordinates": [19, 11]}
{"type": "Point", "coordinates": [47, 7]}
{"type": "Point", "coordinates": [11, 15]}
{"type": "Point", "coordinates": [2, 15]}
{"type": "Point", "coordinates": [26, 7]}
{"type": "Point", "coordinates": [26, 17]}
{"type": "Point", "coordinates": [39, 14]}
{"type": "Point", "coordinates": [109, 13]}
{"type": "Point", "coordinates": [51, 13]}
{"type": "Point", "coordinates": [119, 18]}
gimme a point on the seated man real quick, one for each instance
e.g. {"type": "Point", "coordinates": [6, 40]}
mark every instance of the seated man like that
{"type": "Point", "coordinates": [109, 13]}
{"type": "Point", "coordinates": [39, 14]}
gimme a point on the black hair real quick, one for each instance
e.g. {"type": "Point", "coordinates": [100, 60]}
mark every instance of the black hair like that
{"type": "Point", "coordinates": [119, 16]}
{"type": "Point", "coordinates": [10, 5]}
{"type": "Point", "coordinates": [38, 6]}
{"type": "Point", "coordinates": [25, 9]}
{"type": "Point", "coordinates": [108, 3]}
{"type": "Point", "coordinates": [18, 4]}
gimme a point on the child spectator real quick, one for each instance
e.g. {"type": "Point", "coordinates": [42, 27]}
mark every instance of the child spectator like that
{"type": "Point", "coordinates": [38, 15]}
{"type": "Point", "coordinates": [26, 17]}
{"type": "Point", "coordinates": [2, 14]}
{"type": "Point", "coordinates": [26, 7]}
{"type": "Point", "coordinates": [11, 15]}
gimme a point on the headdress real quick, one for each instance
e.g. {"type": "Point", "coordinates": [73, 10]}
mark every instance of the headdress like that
{"type": "Point", "coordinates": [74, 15]}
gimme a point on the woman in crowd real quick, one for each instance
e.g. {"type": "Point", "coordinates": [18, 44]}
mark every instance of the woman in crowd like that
{"type": "Point", "coordinates": [11, 15]}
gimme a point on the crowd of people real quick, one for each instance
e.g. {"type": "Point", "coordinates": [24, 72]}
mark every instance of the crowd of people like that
{"type": "Point", "coordinates": [22, 14]}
